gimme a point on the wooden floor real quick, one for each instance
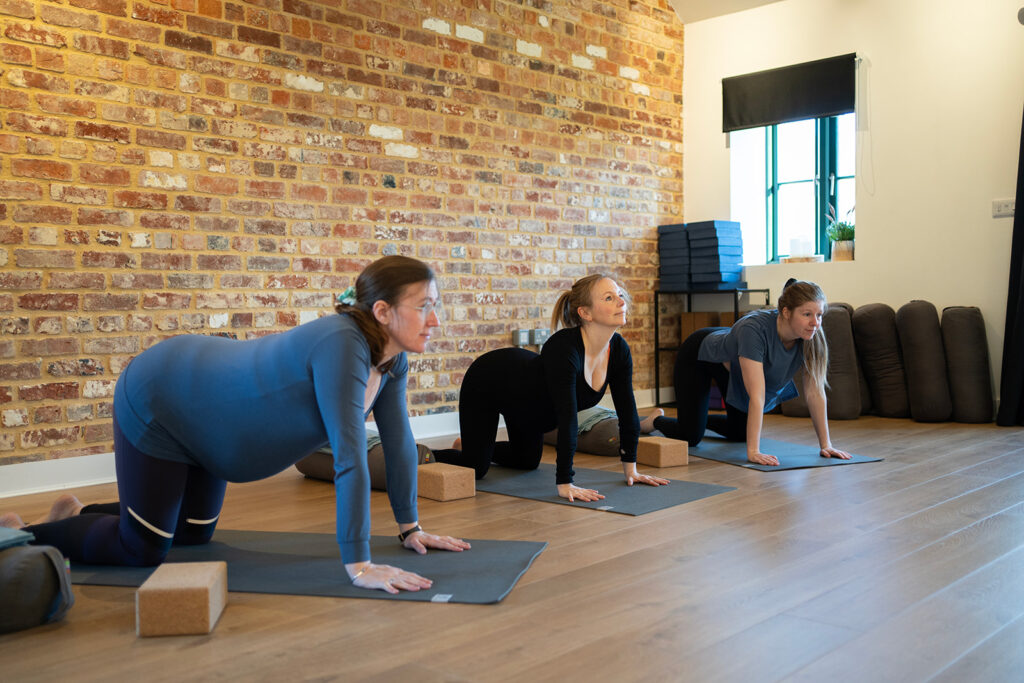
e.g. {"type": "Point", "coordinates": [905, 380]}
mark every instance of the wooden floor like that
{"type": "Point", "coordinates": [911, 569]}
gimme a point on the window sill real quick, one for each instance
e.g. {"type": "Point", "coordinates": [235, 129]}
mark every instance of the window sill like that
{"type": "Point", "coordinates": [816, 258]}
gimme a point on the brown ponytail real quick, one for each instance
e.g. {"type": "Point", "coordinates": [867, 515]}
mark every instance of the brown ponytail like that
{"type": "Point", "coordinates": [383, 280]}
{"type": "Point", "coordinates": [796, 293]}
{"type": "Point", "coordinates": [566, 311]}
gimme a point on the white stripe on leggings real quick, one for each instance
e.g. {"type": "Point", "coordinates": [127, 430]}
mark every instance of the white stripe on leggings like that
{"type": "Point", "coordinates": [202, 521]}
{"type": "Point", "coordinates": [149, 526]}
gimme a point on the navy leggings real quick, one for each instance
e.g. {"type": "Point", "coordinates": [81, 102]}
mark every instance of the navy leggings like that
{"type": "Point", "coordinates": [693, 388]}
{"type": "Point", "coordinates": [161, 503]}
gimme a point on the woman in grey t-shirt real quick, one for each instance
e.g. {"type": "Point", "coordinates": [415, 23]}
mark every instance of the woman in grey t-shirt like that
{"type": "Point", "coordinates": [753, 364]}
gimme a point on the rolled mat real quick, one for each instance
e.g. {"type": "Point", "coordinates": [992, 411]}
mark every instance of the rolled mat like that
{"type": "Point", "coordinates": [878, 349]}
{"type": "Point", "coordinates": [601, 439]}
{"type": "Point", "coordinates": [320, 464]}
{"type": "Point", "coordinates": [865, 391]}
{"type": "Point", "coordinates": [844, 401]}
{"type": "Point", "coordinates": [791, 456]}
{"type": "Point", "coordinates": [970, 381]}
{"type": "Point", "coordinates": [638, 499]}
{"type": "Point", "coordinates": [924, 360]}
{"type": "Point", "coordinates": [797, 406]}
{"type": "Point", "coordinates": [290, 563]}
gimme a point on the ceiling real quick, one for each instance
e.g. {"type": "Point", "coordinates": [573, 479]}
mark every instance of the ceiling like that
{"type": "Point", "coordinates": [690, 11]}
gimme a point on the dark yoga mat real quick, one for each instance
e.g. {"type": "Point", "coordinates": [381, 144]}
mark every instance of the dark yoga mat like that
{"type": "Point", "coordinates": [309, 564]}
{"type": "Point", "coordinates": [791, 456]}
{"type": "Point", "coordinates": [638, 499]}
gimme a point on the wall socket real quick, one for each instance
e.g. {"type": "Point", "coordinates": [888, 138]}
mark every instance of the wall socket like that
{"type": "Point", "coordinates": [520, 337]}
{"type": "Point", "coordinates": [530, 337]}
{"type": "Point", "coordinates": [1003, 208]}
{"type": "Point", "coordinates": [538, 337]}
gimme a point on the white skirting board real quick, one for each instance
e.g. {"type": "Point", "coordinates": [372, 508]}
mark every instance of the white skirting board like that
{"type": "Point", "coordinates": [53, 475]}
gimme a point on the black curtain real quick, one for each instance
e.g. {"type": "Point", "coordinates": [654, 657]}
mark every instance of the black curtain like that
{"type": "Point", "coordinates": [825, 87]}
{"type": "Point", "coordinates": [1011, 385]}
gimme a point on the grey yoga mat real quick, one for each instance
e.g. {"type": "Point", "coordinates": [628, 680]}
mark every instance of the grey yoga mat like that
{"type": "Point", "coordinates": [309, 564]}
{"type": "Point", "coordinates": [791, 456]}
{"type": "Point", "coordinates": [638, 499]}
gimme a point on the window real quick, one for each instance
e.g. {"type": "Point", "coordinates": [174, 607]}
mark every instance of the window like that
{"type": "Point", "coordinates": [784, 178]}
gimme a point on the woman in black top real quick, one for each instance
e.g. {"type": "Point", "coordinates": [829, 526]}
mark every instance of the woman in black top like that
{"type": "Point", "coordinates": [537, 393]}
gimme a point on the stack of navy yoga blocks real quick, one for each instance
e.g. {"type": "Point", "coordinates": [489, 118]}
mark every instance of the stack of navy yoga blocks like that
{"type": "Point", "coordinates": [673, 257]}
{"type": "Point", "coordinates": [702, 255]}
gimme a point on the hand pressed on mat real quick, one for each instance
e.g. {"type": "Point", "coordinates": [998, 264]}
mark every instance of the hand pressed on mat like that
{"type": "Point", "coordinates": [385, 577]}
{"type": "Point", "coordinates": [574, 493]}
{"type": "Point", "coordinates": [421, 540]}
{"type": "Point", "coordinates": [629, 469]}
{"type": "Point", "coordinates": [392, 579]}
{"type": "Point", "coordinates": [830, 452]}
{"type": "Point", "coordinates": [759, 458]}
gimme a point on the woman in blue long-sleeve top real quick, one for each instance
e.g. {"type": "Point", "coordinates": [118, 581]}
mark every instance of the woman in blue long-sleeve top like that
{"type": "Point", "coordinates": [537, 393]}
{"type": "Point", "coordinates": [194, 412]}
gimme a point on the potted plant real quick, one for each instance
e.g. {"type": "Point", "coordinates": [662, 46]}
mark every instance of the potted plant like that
{"type": "Point", "coordinates": [840, 233]}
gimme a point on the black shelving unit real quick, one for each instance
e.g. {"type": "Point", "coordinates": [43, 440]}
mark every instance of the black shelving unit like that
{"type": "Point", "coordinates": [690, 293]}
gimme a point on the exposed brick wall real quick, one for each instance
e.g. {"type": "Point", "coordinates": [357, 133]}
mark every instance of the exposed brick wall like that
{"type": "Point", "coordinates": [203, 166]}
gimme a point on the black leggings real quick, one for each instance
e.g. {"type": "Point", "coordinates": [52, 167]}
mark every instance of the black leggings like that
{"type": "Point", "coordinates": [162, 503]}
{"type": "Point", "coordinates": [496, 385]}
{"type": "Point", "coordinates": [693, 387]}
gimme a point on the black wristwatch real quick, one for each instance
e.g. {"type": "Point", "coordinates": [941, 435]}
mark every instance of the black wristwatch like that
{"type": "Point", "coordinates": [408, 532]}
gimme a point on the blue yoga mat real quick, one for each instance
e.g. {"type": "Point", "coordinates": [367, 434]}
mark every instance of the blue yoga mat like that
{"type": "Point", "coordinates": [638, 499]}
{"type": "Point", "coordinates": [309, 564]}
{"type": "Point", "coordinates": [791, 456]}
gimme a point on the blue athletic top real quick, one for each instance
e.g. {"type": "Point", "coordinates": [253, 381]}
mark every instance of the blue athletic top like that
{"type": "Point", "coordinates": [562, 357]}
{"type": "Point", "coordinates": [755, 336]}
{"type": "Point", "coordinates": [244, 410]}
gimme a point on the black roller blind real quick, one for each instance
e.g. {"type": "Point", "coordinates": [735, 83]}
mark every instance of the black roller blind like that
{"type": "Point", "coordinates": [825, 87]}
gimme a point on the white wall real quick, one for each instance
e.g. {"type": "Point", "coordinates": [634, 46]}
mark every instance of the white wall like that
{"type": "Point", "coordinates": [940, 97]}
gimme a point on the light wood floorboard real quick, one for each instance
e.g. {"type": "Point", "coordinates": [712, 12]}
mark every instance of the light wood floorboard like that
{"type": "Point", "coordinates": [909, 569]}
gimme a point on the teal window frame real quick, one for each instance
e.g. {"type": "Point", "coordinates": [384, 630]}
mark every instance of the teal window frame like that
{"type": "Point", "coordinates": [826, 180]}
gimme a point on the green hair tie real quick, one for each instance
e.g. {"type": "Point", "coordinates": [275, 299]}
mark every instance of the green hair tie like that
{"type": "Point", "coordinates": [348, 297]}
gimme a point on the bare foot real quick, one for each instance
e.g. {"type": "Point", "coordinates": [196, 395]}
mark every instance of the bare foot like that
{"type": "Point", "coordinates": [647, 424]}
{"type": "Point", "coordinates": [457, 444]}
{"type": "Point", "coordinates": [11, 520]}
{"type": "Point", "coordinates": [65, 506]}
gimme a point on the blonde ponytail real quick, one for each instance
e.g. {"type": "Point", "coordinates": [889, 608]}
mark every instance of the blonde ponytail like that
{"type": "Point", "coordinates": [563, 314]}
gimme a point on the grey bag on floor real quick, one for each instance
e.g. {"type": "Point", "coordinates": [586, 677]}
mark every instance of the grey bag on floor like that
{"type": "Point", "coordinates": [35, 587]}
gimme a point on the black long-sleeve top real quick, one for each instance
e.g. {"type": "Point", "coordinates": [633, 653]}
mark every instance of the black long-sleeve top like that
{"type": "Point", "coordinates": [562, 357]}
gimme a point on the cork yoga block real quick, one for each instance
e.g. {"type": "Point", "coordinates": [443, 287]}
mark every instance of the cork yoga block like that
{"type": "Point", "coordinates": [441, 481]}
{"type": "Point", "coordinates": [183, 598]}
{"type": "Point", "coordinates": [659, 451]}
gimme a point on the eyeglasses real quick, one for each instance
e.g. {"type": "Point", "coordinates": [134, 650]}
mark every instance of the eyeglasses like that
{"type": "Point", "coordinates": [427, 308]}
